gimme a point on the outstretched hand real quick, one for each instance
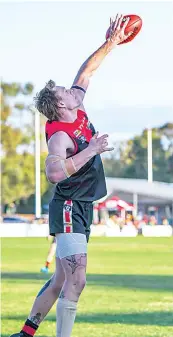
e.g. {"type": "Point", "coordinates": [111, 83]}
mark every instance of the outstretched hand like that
{"type": "Point", "coordinates": [99, 144]}
{"type": "Point", "coordinates": [117, 29]}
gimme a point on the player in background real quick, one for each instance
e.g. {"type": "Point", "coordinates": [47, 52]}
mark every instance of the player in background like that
{"type": "Point", "coordinates": [50, 256]}
{"type": "Point", "coordinates": [74, 165]}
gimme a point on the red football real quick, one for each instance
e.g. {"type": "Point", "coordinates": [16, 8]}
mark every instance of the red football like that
{"type": "Point", "coordinates": [134, 25]}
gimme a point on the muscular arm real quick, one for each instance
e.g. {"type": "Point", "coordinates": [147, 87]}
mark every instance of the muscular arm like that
{"type": "Point", "coordinates": [59, 145]}
{"type": "Point", "coordinates": [116, 35]}
{"type": "Point", "coordinates": [89, 66]}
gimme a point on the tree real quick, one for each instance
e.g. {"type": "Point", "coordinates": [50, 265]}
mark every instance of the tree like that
{"type": "Point", "coordinates": [130, 158]}
{"type": "Point", "coordinates": [166, 131]}
{"type": "Point", "coordinates": [18, 172]}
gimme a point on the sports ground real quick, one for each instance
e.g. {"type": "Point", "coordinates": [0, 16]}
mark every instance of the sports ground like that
{"type": "Point", "coordinates": [129, 290]}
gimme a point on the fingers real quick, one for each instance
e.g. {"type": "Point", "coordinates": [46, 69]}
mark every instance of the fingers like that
{"type": "Point", "coordinates": [117, 28]}
{"type": "Point", "coordinates": [105, 144]}
{"type": "Point", "coordinates": [111, 21]}
{"type": "Point", "coordinates": [108, 149]}
{"type": "Point", "coordinates": [115, 22]}
{"type": "Point", "coordinates": [127, 35]}
{"type": "Point", "coordinates": [104, 136]}
{"type": "Point", "coordinates": [111, 26]}
{"type": "Point", "coordinates": [125, 24]}
{"type": "Point", "coordinates": [96, 135]}
{"type": "Point", "coordinates": [119, 22]}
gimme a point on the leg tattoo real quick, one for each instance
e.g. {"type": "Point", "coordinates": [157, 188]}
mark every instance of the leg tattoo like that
{"type": "Point", "coordinates": [36, 319]}
{"type": "Point", "coordinates": [76, 261]}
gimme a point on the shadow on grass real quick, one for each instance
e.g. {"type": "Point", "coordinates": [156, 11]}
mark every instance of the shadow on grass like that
{"type": "Point", "coordinates": [20, 276]}
{"type": "Point", "coordinates": [158, 318]}
{"type": "Point", "coordinates": [144, 282]}
{"type": "Point", "coordinates": [9, 335]}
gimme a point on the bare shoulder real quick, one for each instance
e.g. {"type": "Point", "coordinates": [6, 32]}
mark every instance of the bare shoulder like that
{"type": "Point", "coordinates": [59, 143]}
{"type": "Point", "coordinates": [58, 137]}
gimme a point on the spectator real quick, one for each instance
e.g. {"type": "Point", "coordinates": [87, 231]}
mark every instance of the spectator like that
{"type": "Point", "coordinates": [113, 220]}
{"type": "Point", "coordinates": [152, 221]}
{"type": "Point", "coordinates": [165, 221]}
{"type": "Point", "coordinates": [129, 220]}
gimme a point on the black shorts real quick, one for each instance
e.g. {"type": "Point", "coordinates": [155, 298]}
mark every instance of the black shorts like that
{"type": "Point", "coordinates": [70, 216]}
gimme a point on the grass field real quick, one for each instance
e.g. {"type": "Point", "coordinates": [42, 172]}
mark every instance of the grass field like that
{"type": "Point", "coordinates": [129, 288]}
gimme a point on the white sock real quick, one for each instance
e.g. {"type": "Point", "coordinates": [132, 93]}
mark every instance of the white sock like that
{"type": "Point", "coordinates": [66, 313]}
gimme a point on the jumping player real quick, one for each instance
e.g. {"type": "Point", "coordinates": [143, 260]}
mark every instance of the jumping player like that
{"type": "Point", "coordinates": [75, 166]}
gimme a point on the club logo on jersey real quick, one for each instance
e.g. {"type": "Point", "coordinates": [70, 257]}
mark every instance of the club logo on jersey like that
{"type": "Point", "coordinates": [67, 208]}
{"type": "Point", "coordinates": [77, 133]}
{"type": "Point", "coordinates": [82, 138]}
{"type": "Point", "coordinates": [67, 216]}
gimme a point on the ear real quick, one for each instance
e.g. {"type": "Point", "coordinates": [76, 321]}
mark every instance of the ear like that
{"type": "Point", "coordinates": [61, 104]}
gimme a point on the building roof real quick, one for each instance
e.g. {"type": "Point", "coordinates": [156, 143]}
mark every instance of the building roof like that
{"type": "Point", "coordinates": [159, 190]}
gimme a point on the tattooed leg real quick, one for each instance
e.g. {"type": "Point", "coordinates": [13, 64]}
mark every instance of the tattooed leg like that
{"type": "Point", "coordinates": [36, 319]}
{"type": "Point", "coordinates": [75, 276]}
{"type": "Point", "coordinates": [76, 261]}
{"type": "Point", "coordinates": [47, 295]}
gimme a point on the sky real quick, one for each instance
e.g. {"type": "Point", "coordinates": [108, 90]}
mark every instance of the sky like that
{"type": "Point", "coordinates": [132, 88]}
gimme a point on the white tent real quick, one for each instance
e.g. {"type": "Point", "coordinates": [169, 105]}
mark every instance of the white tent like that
{"type": "Point", "coordinates": [141, 187]}
{"type": "Point", "coordinates": [140, 191]}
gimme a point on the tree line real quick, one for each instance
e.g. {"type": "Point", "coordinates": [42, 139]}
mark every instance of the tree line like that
{"type": "Point", "coordinates": [129, 159]}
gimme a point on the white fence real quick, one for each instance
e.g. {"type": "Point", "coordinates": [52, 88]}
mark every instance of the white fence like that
{"type": "Point", "coordinates": [23, 230]}
{"type": "Point", "coordinates": [103, 230]}
{"type": "Point", "coordinates": [36, 230]}
{"type": "Point", "coordinates": [157, 231]}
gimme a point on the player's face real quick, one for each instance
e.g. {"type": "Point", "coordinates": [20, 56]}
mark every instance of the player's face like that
{"type": "Point", "coordinates": [68, 97]}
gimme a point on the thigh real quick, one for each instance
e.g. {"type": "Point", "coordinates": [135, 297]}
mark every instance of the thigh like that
{"type": "Point", "coordinates": [72, 251]}
{"type": "Point", "coordinates": [57, 279]}
{"type": "Point", "coordinates": [75, 267]}
{"type": "Point", "coordinates": [59, 275]}
{"type": "Point", "coordinates": [69, 244]}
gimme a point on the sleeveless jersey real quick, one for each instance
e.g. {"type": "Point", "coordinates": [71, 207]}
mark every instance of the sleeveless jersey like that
{"type": "Point", "coordinates": [88, 183]}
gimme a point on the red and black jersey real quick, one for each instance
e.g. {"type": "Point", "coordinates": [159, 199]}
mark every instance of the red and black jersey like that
{"type": "Point", "coordinates": [88, 183]}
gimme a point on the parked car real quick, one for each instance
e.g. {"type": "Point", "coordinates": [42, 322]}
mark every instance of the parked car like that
{"type": "Point", "coordinates": [15, 219]}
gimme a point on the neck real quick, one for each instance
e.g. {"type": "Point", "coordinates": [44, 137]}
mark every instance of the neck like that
{"type": "Point", "coordinates": [69, 116]}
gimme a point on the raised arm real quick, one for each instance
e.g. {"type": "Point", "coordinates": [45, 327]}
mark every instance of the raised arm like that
{"type": "Point", "coordinates": [87, 69]}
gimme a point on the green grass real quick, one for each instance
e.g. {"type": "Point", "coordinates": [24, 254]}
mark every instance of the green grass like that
{"type": "Point", "coordinates": [129, 288]}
